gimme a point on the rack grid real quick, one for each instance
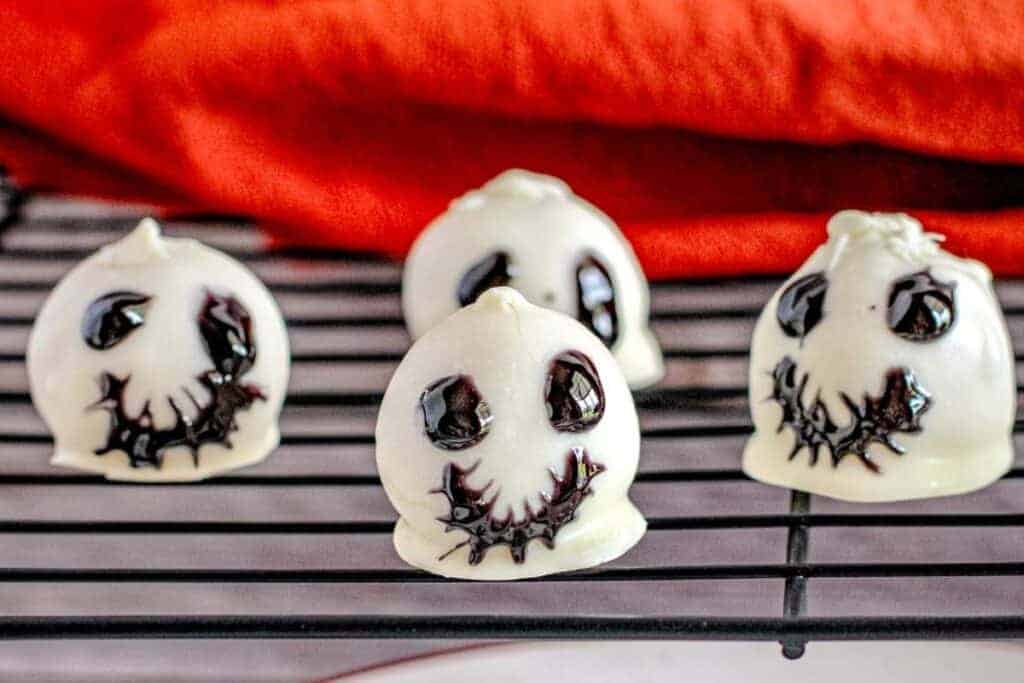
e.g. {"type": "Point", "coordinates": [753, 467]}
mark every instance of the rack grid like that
{"type": "Point", "coordinates": [299, 547]}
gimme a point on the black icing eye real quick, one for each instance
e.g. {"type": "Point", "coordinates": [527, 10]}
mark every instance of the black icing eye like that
{"type": "Point", "coordinates": [493, 270]}
{"type": "Point", "coordinates": [595, 298]}
{"type": "Point", "coordinates": [455, 415]}
{"type": "Point", "coordinates": [921, 308]}
{"type": "Point", "coordinates": [801, 305]}
{"type": "Point", "coordinates": [112, 317]}
{"type": "Point", "coordinates": [226, 328]}
{"type": "Point", "coordinates": [573, 393]}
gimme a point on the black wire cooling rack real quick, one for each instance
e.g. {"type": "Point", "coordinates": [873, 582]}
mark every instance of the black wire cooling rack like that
{"type": "Point", "coordinates": [299, 547]}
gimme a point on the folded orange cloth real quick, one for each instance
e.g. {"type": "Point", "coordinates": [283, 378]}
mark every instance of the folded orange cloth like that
{"type": "Point", "coordinates": [718, 133]}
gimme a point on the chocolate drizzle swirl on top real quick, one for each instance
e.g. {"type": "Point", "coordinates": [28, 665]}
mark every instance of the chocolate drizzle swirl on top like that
{"type": "Point", "coordinates": [473, 512]}
{"type": "Point", "coordinates": [874, 420]}
{"type": "Point", "coordinates": [226, 329]}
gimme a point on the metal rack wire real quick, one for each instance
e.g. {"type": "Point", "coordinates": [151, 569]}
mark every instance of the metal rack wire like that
{"type": "Point", "coordinates": [299, 547]}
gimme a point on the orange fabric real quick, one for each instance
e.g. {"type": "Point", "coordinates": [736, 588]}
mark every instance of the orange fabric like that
{"type": "Point", "coordinates": [708, 129]}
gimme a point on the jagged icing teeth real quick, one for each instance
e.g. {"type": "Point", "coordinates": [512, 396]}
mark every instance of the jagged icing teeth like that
{"type": "Point", "coordinates": [898, 409]}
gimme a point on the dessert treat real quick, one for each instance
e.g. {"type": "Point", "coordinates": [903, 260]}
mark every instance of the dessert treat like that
{"type": "Point", "coordinates": [507, 441]}
{"type": "Point", "coordinates": [159, 359]}
{"type": "Point", "coordinates": [882, 370]}
{"type": "Point", "coordinates": [529, 231]}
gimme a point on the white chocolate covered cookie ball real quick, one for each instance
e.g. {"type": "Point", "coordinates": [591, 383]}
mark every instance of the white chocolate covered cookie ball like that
{"type": "Point", "coordinates": [159, 359]}
{"type": "Point", "coordinates": [882, 370]}
{"type": "Point", "coordinates": [530, 232]}
{"type": "Point", "coordinates": [507, 441]}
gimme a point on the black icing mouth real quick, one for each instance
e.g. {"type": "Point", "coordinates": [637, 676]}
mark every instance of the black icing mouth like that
{"type": "Point", "coordinates": [472, 513]}
{"type": "Point", "coordinates": [898, 410]}
{"type": "Point", "coordinates": [226, 329]}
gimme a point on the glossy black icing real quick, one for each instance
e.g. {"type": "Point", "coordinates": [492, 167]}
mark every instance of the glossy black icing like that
{"type": "Point", "coordinates": [802, 305]}
{"type": "Point", "coordinates": [112, 317]}
{"type": "Point", "coordinates": [455, 414]}
{"type": "Point", "coordinates": [595, 300]}
{"type": "Point", "coordinates": [573, 393]}
{"type": "Point", "coordinates": [921, 308]}
{"type": "Point", "coordinates": [897, 410]}
{"type": "Point", "coordinates": [493, 270]}
{"type": "Point", "coordinates": [472, 512]}
{"type": "Point", "coordinates": [226, 329]}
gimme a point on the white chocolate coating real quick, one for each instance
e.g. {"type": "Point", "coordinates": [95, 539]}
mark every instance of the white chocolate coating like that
{"type": "Point", "coordinates": [164, 357]}
{"type": "Point", "coordinates": [506, 345]}
{"type": "Point", "coordinates": [965, 441]}
{"type": "Point", "coordinates": [546, 229]}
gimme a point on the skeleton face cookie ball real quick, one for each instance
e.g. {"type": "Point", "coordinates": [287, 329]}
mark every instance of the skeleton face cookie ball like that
{"type": "Point", "coordinates": [882, 370]}
{"type": "Point", "coordinates": [159, 359]}
{"type": "Point", "coordinates": [507, 441]}
{"type": "Point", "coordinates": [530, 232]}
